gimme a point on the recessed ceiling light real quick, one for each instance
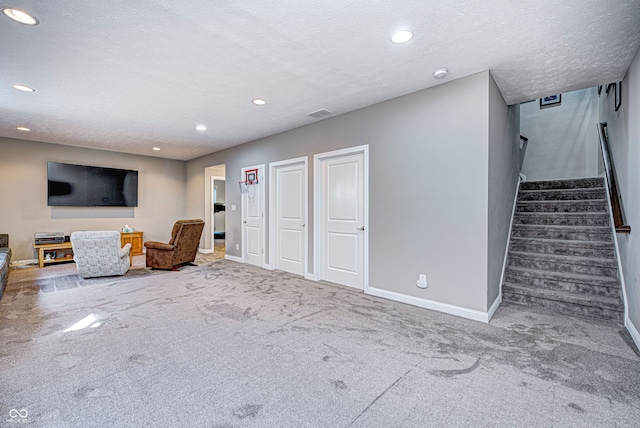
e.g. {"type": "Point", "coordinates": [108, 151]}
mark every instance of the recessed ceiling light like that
{"type": "Point", "coordinates": [201, 128]}
{"type": "Point", "coordinates": [440, 73]}
{"type": "Point", "coordinates": [20, 16]}
{"type": "Point", "coordinates": [157, 149]}
{"type": "Point", "coordinates": [24, 88]}
{"type": "Point", "coordinates": [402, 36]}
{"type": "Point", "coordinates": [23, 128]}
{"type": "Point", "coordinates": [259, 102]}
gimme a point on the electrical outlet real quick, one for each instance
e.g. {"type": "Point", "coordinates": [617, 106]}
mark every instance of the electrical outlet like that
{"type": "Point", "coordinates": [422, 281]}
{"type": "Point", "coordinates": [237, 246]}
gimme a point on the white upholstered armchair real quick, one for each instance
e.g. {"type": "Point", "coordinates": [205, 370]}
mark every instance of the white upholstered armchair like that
{"type": "Point", "coordinates": [98, 253]}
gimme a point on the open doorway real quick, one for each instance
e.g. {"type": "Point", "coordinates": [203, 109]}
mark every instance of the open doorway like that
{"type": "Point", "coordinates": [218, 217]}
{"type": "Point", "coordinates": [214, 233]}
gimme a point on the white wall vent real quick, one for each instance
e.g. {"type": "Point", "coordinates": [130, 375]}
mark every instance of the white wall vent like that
{"type": "Point", "coordinates": [319, 113]}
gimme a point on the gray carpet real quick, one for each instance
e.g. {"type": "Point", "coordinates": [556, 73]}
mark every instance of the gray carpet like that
{"type": "Point", "coordinates": [230, 345]}
{"type": "Point", "coordinates": [73, 280]}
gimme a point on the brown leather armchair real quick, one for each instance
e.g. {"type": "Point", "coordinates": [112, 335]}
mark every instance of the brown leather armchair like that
{"type": "Point", "coordinates": [180, 250]}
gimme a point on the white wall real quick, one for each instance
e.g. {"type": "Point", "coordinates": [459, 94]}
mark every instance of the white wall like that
{"type": "Point", "coordinates": [23, 194]}
{"type": "Point", "coordinates": [429, 160]}
{"type": "Point", "coordinates": [624, 140]}
{"type": "Point", "coordinates": [563, 141]}
{"type": "Point", "coordinates": [504, 169]}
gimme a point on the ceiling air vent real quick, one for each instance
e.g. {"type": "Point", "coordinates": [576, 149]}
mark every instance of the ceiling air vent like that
{"type": "Point", "coordinates": [319, 113]}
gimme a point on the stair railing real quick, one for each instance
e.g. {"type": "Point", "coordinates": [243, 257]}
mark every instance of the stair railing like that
{"type": "Point", "coordinates": [614, 195]}
{"type": "Point", "coordinates": [523, 149]}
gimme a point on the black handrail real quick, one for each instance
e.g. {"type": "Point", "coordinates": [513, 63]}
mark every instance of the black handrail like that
{"type": "Point", "coordinates": [523, 150]}
{"type": "Point", "coordinates": [614, 195]}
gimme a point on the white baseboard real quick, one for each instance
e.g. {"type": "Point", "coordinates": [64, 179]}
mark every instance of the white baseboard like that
{"type": "Point", "coordinates": [494, 307]}
{"type": "Point", "coordinates": [205, 250]}
{"type": "Point", "coordinates": [506, 250]}
{"type": "Point", "coordinates": [310, 276]}
{"type": "Point", "coordinates": [633, 331]}
{"type": "Point", "coordinates": [233, 258]}
{"type": "Point", "coordinates": [268, 267]}
{"type": "Point", "coordinates": [23, 262]}
{"type": "Point", "coordinates": [471, 314]}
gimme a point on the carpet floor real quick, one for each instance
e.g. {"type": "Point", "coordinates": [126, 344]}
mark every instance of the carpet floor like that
{"type": "Point", "coordinates": [230, 345]}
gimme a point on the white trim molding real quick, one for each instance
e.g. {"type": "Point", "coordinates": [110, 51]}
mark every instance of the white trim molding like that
{"type": "Point", "coordinates": [633, 332]}
{"type": "Point", "coordinates": [494, 307]}
{"type": "Point", "coordinates": [18, 263]}
{"type": "Point", "coordinates": [623, 284]}
{"type": "Point", "coordinates": [233, 258]}
{"type": "Point", "coordinates": [205, 250]}
{"type": "Point", "coordinates": [506, 252]}
{"type": "Point", "coordinates": [459, 311]}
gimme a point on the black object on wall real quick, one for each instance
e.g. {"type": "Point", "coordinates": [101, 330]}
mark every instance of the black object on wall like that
{"type": "Point", "coordinates": [89, 186]}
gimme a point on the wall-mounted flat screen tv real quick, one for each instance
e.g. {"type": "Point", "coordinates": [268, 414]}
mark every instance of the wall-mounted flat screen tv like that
{"type": "Point", "coordinates": [90, 186]}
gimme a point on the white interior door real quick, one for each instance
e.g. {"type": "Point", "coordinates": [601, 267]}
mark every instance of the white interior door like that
{"type": "Point", "coordinates": [290, 217]}
{"type": "Point", "coordinates": [342, 219]}
{"type": "Point", "coordinates": [253, 221]}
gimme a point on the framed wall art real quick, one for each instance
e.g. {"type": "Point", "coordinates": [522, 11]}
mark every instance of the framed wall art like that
{"type": "Point", "coordinates": [550, 101]}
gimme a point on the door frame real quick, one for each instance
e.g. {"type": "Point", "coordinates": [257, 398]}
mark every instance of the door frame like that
{"type": "Point", "coordinates": [262, 186]}
{"type": "Point", "coordinates": [317, 208]}
{"type": "Point", "coordinates": [273, 166]}
{"type": "Point", "coordinates": [213, 224]}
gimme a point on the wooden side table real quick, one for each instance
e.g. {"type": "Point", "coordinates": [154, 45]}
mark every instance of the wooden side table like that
{"type": "Point", "coordinates": [133, 238]}
{"type": "Point", "coordinates": [63, 251]}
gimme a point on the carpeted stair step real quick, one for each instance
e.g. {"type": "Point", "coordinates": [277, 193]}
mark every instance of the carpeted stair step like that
{"type": "Point", "coordinates": [562, 219]}
{"type": "Point", "coordinates": [563, 247]}
{"type": "Point", "coordinates": [593, 205]}
{"type": "Point", "coordinates": [563, 301]}
{"type": "Point", "coordinates": [574, 183]}
{"type": "Point", "coordinates": [592, 285]}
{"type": "Point", "coordinates": [564, 264]}
{"type": "Point", "coordinates": [561, 251]}
{"type": "Point", "coordinates": [572, 233]}
{"type": "Point", "coordinates": [561, 194]}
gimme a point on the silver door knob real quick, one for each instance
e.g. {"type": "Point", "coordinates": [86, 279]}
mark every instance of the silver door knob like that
{"type": "Point", "coordinates": [360, 228]}
{"type": "Point", "coordinates": [302, 225]}
{"type": "Point", "coordinates": [244, 221]}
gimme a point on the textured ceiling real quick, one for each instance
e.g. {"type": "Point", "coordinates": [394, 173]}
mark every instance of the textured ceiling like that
{"type": "Point", "coordinates": [130, 75]}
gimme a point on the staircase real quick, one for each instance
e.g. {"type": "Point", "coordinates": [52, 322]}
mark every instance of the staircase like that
{"type": "Point", "coordinates": [561, 254]}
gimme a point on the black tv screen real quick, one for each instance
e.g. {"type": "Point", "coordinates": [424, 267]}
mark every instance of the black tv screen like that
{"type": "Point", "coordinates": [90, 186]}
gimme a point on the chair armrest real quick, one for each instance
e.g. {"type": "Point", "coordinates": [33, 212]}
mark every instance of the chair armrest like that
{"type": "Point", "coordinates": [159, 246]}
{"type": "Point", "coordinates": [124, 251]}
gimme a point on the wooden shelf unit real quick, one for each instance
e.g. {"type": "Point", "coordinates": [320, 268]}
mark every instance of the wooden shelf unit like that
{"type": "Point", "coordinates": [43, 249]}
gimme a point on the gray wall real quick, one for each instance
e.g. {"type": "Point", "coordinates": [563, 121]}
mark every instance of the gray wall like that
{"type": "Point", "coordinates": [504, 167]}
{"type": "Point", "coordinates": [23, 194]}
{"type": "Point", "coordinates": [562, 142]}
{"type": "Point", "coordinates": [429, 160]}
{"type": "Point", "coordinates": [624, 136]}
